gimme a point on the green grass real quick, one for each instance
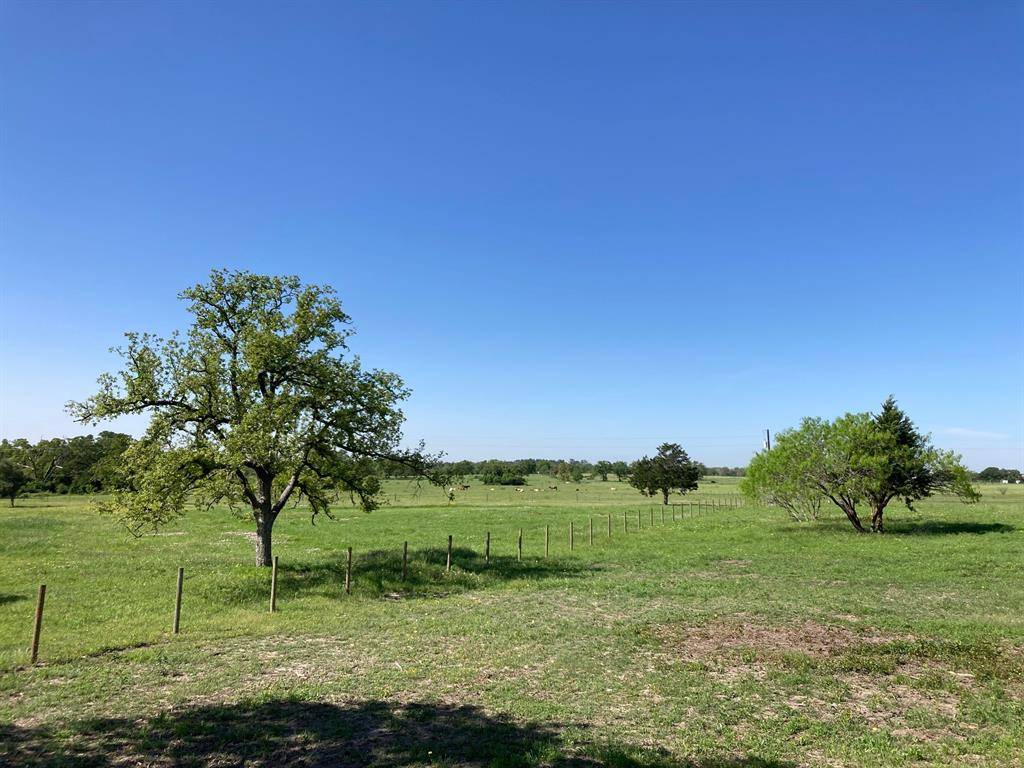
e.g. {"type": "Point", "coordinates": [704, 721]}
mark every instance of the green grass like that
{"type": "Point", "coordinates": [732, 638]}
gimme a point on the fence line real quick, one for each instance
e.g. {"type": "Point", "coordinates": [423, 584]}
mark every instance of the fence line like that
{"type": "Point", "coordinates": [694, 508]}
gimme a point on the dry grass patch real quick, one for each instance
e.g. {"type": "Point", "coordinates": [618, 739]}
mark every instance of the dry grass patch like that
{"type": "Point", "coordinates": [917, 692]}
{"type": "Point", "coordinates": [810, 638]}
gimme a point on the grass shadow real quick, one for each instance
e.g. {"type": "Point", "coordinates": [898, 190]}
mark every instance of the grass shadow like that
{"type": "Point", "coordinates": [283, 732]}
{"type": "Point", "coordinates": [378, 574]}
{"type": "Point", "coordinates": [946, 528]}
{"type": "Point", "coordinates": [5, 598]}
{"type": "Point", "coordinates": [917, 527]}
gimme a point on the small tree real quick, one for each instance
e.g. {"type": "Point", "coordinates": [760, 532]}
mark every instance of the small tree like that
{"type": "Point", "coordinates": [669, 470]}
{"type": "Point", "coordinates": [13, 478]}
{"type": "Point", "coordinates": [602, 469]}
{"type": "Point", "coordinates": [818, 461]}
{"type": "Point", "coordinates": [42, 462]}
{"type": "Point", "coordinates": [621, 470]}
{"type": "Point", "coordinates": [562, 470]}
{"type": "Point", "coordinates": [255, 406]}
{"type": "Point", "coordinates": [782, 477]}
{"type": "Point", "coordinates": [904, 465]}
{"type": "Point", "coordinates": [857, 458]}
{"type": "Point", "coordinates": [495, 472]}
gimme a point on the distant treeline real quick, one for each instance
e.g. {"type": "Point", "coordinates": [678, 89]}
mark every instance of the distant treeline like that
{"type": "Point", "coordinates": [89, 464]}
{"type": "Point", "coordinates": [61, 465]}
{"type": "Point", "coordinates": [997, 475]}
{"type": "Point", "coordinates": [514, 472]}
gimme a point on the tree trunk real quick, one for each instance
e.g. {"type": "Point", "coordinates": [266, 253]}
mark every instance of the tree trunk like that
{"type": "Point", "coordinates": [264, 549]}
{"type": "Point", "coordinates": [664, 495]}
{"type": "Point", "coordinates": [851, 513]}
{"type": "Point", "coordinates": [876, 519]}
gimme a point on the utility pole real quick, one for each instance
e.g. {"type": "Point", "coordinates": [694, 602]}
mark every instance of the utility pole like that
{"type": "Point", "coordinates": [767, 440]}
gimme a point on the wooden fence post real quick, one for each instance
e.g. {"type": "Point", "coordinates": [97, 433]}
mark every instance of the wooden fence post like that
{"type": "Point", "coordinates": [273, 586]}
{"type": "Point", "coordinates": [639, 525]}
{"type": "Point", "coordinates": [177, 600]}
{"type": "Point", "coordinates": [547, 539]}
{"type": "Point", "coordinates": [448, 562]}
{"type": "Point", "coordinates": [520, 556]}
{"type": "Point", "coordinates": [591, 531]}
{"type": "Point", "coordinates": [570, 536]}
{"type": "Point", "coordinates": [37, 626]}
{"type": "Point", "coordinates": [609, 525]}
{"type": "Point", "coordinates": [652, 517]}
{"type": "Point", "coordinates": [487, 549]}
{"type": "Point", "coordinates": [348, 573]}
{"type": "Point", "coordinates": [625, 523]}
{"type": "Point", "coordinates": [405, 561]}
{"type": "Point", "coordinates": [662, 515]}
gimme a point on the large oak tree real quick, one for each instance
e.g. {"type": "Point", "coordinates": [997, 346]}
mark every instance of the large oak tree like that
{"type": "Point", "coordinates": [255, 406]}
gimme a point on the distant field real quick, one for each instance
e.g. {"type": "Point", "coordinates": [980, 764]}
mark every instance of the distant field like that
{"type": "Point", "coordinates": [732, 638]}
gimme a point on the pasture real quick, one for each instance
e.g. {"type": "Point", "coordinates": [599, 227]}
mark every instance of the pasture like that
{"type": "Point", "coordinates": [732, 638]}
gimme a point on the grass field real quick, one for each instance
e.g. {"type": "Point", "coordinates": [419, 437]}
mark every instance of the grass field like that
{"type": "Point", "coordinates": [732, 638]}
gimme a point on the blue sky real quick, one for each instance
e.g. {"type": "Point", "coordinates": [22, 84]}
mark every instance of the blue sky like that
{"type": "Point", "coordinates": [576, 229]}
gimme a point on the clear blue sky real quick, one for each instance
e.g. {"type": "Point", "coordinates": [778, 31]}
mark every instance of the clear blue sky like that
{"type": "Point", "coordinates": [576, 229]}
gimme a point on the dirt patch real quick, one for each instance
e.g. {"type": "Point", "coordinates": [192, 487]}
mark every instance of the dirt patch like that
{"type": "Point", "coordinates": [905, 711]}
{"type": "Point", "coordinates": [721, 576]}
{"type": "Point", "coordinates": [871, 694]}
{"type": "Point", "coordinates": [809, 638]}
{"type": "Point", "coordinates": [250, 535]}
{"type": "Point", "coordinates": [919, 701]}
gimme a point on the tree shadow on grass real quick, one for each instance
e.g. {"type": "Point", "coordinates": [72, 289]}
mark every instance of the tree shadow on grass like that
{"type": "Point", "coordinates": [5, 598]}
{"type": "Point", "coordinates": [378, 574]}
{"type": "Point", "coordinates": [288, 732]}
{"type": "Point", "coordinates": [945, 528]}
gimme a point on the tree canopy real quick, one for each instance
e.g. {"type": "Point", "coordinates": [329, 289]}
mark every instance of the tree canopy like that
{"type": "Point", "coordinates": [83, 464]}
{"type": "Point", "coordinates": [13, 478]}
{"type": "Point", "coordinates": [997, 475]}
{"type": "Point", "coordinates": [621, 470]}
{"type": "Point", "coordinates": [859, 458]}
{"type": "Point", "coordinates": [256, 405]}
{"type": "Point", "coordinates": [495, 472]}
{"type": "Point", "coordinates": [670, 469]}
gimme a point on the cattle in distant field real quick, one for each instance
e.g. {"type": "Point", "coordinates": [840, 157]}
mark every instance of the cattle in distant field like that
{"type": "Point", "coordinates": [552, 487]}
{"type": "Point", "coordinates": [463, 487]}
